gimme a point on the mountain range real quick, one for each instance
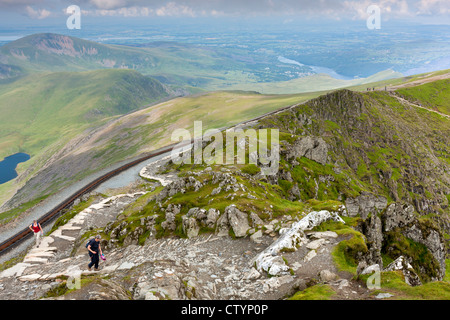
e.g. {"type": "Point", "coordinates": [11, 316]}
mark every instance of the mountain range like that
{"type": "Point", "coordinates": [370, 155]}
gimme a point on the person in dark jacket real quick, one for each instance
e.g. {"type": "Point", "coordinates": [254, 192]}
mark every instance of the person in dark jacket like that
{"type": "Point", "coordinates": [94, 250]}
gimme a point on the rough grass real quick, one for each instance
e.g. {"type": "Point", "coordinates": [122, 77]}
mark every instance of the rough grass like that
{"type": "Point", "coordinates": [393, 282]}
{"type": "Point", "coordinates": [345, 254]}
{"type": "Point", "coordinates": [316, 292]}
{"type": "Point", "coordinates": [434, 95]}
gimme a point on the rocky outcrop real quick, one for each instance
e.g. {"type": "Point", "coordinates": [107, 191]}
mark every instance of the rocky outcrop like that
{"type": "Point", "coordinates": [238, 221]}
{"type": "Point", "coordinates": [399, 221]}
{"type": "Point", "coordinates": [373, 230]}
{"type": "Point", "coordinates": [290, 239]}
{"type": "Point", "coordinates": [314, 148]}
{"type": "Point", "coordinates": [170, 213]}
{"type": "Point", "coordinates": [365, 204]}
{"type": "Point", "coordinates": [403, 264]}
{"type": "Point", "coordinates": [398, 216]}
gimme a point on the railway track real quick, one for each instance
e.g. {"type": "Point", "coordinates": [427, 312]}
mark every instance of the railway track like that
{"type": "Point", "coordinates": [26, 233]}
{"type": "Point", "coordinates": [19, 237]}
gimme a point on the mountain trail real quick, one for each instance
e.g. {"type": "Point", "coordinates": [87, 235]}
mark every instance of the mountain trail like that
{"type": "Point", "coordinates": [204, 267]}
{"type": "Point", "coordinates": [404, 101]}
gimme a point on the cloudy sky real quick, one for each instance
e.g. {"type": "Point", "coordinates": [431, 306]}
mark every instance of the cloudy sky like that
{"type": "Point", "coordinates": [437, 11]}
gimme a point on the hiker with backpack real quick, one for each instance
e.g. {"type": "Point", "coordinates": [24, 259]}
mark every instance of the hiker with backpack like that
{"type": "Point", "coordinates": [94, 248]}
{"type": "Point", "coordinates": [38, 232]}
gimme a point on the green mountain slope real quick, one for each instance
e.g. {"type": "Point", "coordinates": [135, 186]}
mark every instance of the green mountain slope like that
{"type": "Point", "coordinates": [174, 64]}
{"type": "Point", "coordinates": [43, 112]}
{"type": "Point", "coordinates": [85, 152]}
{"type": "Point", "coordinates": [434, 95]}
{"type": "Point", "coordinates": [381, 164]}
{"type": "Point", "coordinates": [41, 109]}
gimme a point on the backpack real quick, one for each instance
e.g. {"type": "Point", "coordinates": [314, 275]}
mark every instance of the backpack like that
{"type": "Point", "coordinates": [89, 241]}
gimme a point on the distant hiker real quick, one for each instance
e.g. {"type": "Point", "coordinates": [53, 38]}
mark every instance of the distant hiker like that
{"type": "Point", "coordinates": [37, 229]}
{"type": "Point", "coordinates": [94, 248]}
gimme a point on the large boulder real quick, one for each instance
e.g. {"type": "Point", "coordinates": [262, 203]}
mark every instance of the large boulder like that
{"type": "Point", "coordinates": [313, 148]}
{"type": "Point", "coordinates": [291, 239]}
{"type": "Point", "coordinates": [238, 221]}
{"type": "Point", "coordinates": [190, 226]}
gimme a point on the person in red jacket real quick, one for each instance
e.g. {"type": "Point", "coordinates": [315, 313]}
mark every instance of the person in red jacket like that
{"type": "Point", "coordinates": [37, 229]}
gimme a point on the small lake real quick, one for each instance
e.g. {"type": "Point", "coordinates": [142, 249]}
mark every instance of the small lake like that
{"type": "Point", "coordinates": [9, 164]}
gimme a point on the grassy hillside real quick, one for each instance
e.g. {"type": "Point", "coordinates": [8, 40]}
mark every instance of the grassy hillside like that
{"type": "Point", "coordinates": [378, 145]}
{"type": "Point", "coordinates": [41, 109]}
{"type": "Point", "coordinates": [434, 95]}
{"type": "Point", "coordinates": [133, 134]}
{"type": "Point", "coordinates": [41, 113]}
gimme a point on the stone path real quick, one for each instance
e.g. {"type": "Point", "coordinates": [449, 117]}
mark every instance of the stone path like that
{"type": "Point", "coordinates": [48, 261]}
{"type": "Point", "coordinates": [204, 267]}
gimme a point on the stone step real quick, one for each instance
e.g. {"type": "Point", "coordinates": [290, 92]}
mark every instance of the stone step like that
{"type": "Point", "coordinates": [31, 277]}
{"type": "Point", "coordinates": [35, 260]}
{"type": "Point", "coordinates": [14, 271]}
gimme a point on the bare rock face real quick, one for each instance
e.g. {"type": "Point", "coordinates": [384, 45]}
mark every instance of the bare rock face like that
{"type": "Point", "coordinates": [372, 229]}
{"type": "Point", "coordinates": [313, 148]}
{"type": "Point", "coordinates": [398, 216]}
{"type": "Point", "coordinates": [365, 204]}
{"type": "Point", "coordinates": [434, 243]}
{"type": "Point", "coordinates": [190, 226]}
{"type": "Point", "coordinates": [402, 216]}
{"type": "Point", "coordinates": [211, 217]}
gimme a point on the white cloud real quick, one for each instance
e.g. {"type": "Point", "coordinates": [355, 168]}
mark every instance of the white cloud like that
{"type": "Point", "coordinates": [394, 8]}
{"type": "Point", "coordinates": [108, 4]}
{"type": "Point", "coordinates": [37, 14]}
{"type": "Point", "coordinates": [125, 12]}
{"type": "Point", "coordinates": [326, 9]}
{"type": "Point", "coordinates": [173, 9]}
{"type": "Point", "coordinates": [431, 7]}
